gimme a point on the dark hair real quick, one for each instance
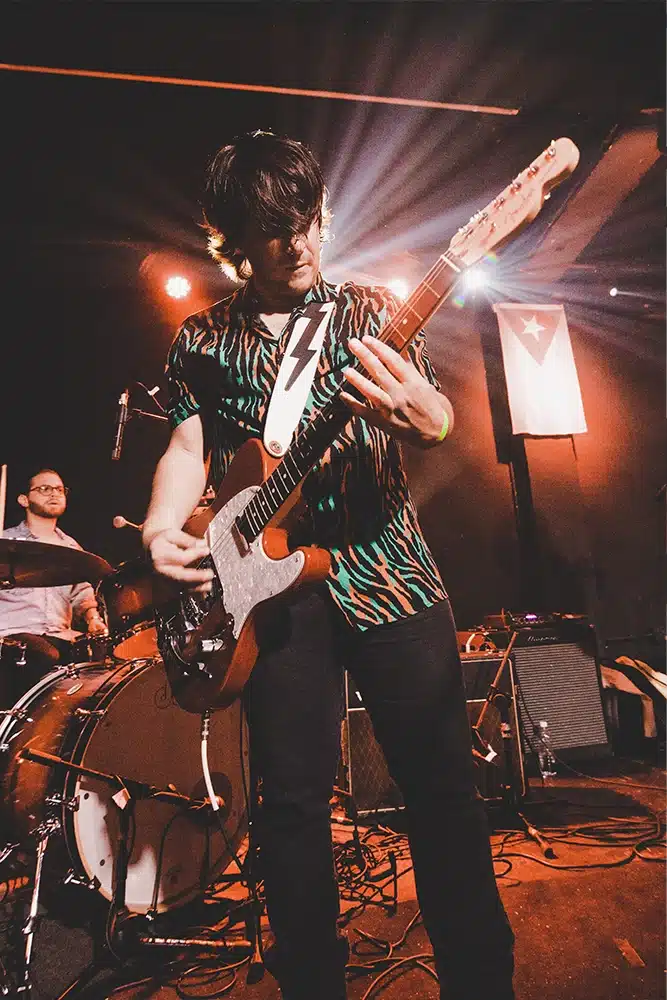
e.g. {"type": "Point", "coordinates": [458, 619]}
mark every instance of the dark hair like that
{"type": "Point", "coordinates": [33, 475]}
{"type": "Point", "coordinates": [269, 180]}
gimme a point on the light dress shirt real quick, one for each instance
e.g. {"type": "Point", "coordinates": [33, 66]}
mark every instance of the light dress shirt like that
{"type": "Point", "coordinates": [44, 610]}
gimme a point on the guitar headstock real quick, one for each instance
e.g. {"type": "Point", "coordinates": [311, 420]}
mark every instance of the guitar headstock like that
{"type": "Point", "coordinates": [516, 205]}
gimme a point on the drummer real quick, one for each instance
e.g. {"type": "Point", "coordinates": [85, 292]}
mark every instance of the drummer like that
{"type": "Point", "coordinates": [41, 618]}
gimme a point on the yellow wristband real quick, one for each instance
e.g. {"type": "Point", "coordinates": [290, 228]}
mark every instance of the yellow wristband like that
{"type": "Point", "coordinates": [445, 427]}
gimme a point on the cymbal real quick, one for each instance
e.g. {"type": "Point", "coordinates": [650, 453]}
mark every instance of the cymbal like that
{"type": "Point", "coordinates": [41, 564]}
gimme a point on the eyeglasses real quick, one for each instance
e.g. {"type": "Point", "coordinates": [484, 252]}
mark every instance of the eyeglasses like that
{"type": "Point", "coordinates": [46, 491]}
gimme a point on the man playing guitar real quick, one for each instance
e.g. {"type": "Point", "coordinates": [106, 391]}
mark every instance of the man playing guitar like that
{"type": "Point", "coordinates": [382, 613]}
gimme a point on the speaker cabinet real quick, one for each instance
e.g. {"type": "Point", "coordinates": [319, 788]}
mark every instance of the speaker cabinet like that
{"type": "Point", "coordinates": [365, 775]}
{"type": "Point", "coordinates": [559, 680]}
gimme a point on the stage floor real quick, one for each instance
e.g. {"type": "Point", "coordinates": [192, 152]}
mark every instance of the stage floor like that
{"type": "Point", "coordinates": [589, 922]}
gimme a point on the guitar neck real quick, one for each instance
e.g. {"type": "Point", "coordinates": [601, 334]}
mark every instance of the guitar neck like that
{"type": "Point", "coordinates": [313, 441]}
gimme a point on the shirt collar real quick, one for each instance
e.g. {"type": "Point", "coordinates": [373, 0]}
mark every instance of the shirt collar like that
{"type": "Point", "coordinates": [23, 531]}
{"type": "Point", "coordinates": [321, 291]}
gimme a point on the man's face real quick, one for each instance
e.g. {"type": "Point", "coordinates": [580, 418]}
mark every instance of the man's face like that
{"type": "Point", "coordinates": [46, 502]}
{"type": "Point", "coordinates": [284, 267]}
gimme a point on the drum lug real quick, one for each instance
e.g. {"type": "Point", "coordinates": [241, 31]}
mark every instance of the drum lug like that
{"type": "Point", "coordinates": [16, 713]}
{"type": "Point", "coordinates": [90, 713]}
{"type": "Point", "coordinates": [88, 883]}
{"type": "Point", "coordinates": [211, 645]}
{"type": "Point", "coordinates": [57, 800]}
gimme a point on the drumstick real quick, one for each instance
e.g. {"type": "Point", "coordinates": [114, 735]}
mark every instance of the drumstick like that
{"type": "Point", "coordinates": [121, 522]}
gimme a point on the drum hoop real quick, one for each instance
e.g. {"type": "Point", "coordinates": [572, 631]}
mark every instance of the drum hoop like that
{"type": "Point", "coordinates": [141, 626]}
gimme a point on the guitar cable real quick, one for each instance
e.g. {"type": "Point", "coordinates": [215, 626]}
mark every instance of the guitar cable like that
{"type": "Point", "coordinates": [256, 965]}
{"type": "Point", "coordinates": [213, 798]}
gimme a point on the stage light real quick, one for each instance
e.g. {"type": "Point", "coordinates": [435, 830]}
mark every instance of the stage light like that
{"type": "Point", "coordinates": [613, 291]}
{"type": "Point", "coordinates": [177, 287]}
{"type": "Point", "coordinates": [399, 287]}
{"type": "Point", "coordinates": [475, 279]}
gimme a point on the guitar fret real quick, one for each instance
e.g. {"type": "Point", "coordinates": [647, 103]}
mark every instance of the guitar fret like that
{"type": "Point", "coordinates": [296, 475]}
{"type": "Point", "coordinates": [285, 487]}
{"type": "Point", "coordinates": [249, 520]}
{"type": "Point", "coordinates": [426, 284]}
{"type": "Point", "coordinates": [406, 305]}
{"type": "Point", "coordinates": [258, 499]}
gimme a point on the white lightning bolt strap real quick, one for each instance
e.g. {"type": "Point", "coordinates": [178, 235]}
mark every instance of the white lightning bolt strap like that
{"type": "Point", "coordinates": [295, 376]}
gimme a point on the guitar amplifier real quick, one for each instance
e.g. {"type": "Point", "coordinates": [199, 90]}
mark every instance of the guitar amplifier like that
{"type": "Point", "coordinates": [364, 772]}
{"type": "Point", "coordinates": [558, 680]}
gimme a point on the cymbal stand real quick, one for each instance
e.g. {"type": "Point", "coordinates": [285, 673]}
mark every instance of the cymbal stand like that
{"type": "Point", "coordinates": [43, 833]}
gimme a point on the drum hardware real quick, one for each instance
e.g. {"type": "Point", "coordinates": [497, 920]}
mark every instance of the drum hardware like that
{"type": "Point", "coordinates": [7, 851]}
{"type": "Point", "coordinates": [205, 944]}
{"type": "Point", "coordinates": [90, 713]}
{"type": "Point", "coordinates": [58, 800]}
{"type": "Point", "coordinates": [17, 644]}
{"type": "Point", "coordinates": [16, 713]}
{"type": "Point", "coordinates": [43, 834]}
{"type": "Point", "coordinates": [86, 883]}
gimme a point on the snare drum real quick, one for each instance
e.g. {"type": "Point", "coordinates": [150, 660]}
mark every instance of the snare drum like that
{"type": "Point", "coordinates": [127, 598]}
{"type": "Point", "coordinates": [124, 722]}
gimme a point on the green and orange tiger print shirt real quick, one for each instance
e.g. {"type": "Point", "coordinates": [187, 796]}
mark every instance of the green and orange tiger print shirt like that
{"type": "Point", "coordinates": [223, 365]}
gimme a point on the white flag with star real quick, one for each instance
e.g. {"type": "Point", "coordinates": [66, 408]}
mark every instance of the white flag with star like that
{"type": "Point", "coordinates": [542, 382]}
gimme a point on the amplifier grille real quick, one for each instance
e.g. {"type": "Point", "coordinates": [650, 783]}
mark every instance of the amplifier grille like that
{"type": "Point", "coordinates": [560, 683]}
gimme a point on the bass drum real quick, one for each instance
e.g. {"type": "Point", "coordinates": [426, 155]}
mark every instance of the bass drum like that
{"type": "Point", "coordinates": [123, 721]}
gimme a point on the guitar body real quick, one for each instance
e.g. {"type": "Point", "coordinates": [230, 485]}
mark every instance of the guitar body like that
{"type": "Point", "coordinates": [209, 644]}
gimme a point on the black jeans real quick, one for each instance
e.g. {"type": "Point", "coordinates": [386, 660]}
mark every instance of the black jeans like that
{"type": "Point", "coordinates": [409, 676]}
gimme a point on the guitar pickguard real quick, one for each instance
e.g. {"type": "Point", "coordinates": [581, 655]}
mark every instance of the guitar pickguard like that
{"type": "Point", "coordinates": [247, 574]}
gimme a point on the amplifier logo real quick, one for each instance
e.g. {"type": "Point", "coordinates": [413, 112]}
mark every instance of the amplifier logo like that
{"type": "Point", "coordinates": [542, 638]}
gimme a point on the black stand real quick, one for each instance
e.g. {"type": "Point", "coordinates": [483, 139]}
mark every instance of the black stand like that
{"type": "Point", "coordinates": [511, 797]}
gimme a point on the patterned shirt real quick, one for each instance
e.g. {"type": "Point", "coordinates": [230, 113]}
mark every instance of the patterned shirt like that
{"type": "Point", "coordinates": [223, 364]}
{"type": "Point", "coordinates": [43, 610]}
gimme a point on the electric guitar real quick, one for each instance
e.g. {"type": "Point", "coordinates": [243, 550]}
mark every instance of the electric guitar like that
{"type": "Point", "coordinates": [209, 643]}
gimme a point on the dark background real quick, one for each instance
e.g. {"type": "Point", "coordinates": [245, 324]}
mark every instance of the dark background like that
{"type": "Point", "coordinates": [100, 187]}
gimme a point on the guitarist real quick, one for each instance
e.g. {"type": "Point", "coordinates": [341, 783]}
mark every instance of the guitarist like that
{"type": "Point", "coordinates": [383, 612]}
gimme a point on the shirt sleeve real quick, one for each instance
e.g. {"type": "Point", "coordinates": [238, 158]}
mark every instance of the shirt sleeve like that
{"type": "Point", "coordinates": [182, 402]}
{"type": "Point", "coordinates": [82, 597]}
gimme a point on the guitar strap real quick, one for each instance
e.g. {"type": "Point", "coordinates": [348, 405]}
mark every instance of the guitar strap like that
{"type": "Point", "coordinates": [295, 376]}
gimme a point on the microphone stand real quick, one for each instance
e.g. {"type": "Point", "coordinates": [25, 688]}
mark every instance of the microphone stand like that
{"type": "Point", "coordinates": [510, 795]}
{"type": "Point", "coordinates": [128, 792]}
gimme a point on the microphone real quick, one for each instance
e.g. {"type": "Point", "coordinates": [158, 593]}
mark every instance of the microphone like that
{"type": "Point", "coordinates": [121, 522]}
{"type": "Point", "coordinates": [123, 414]}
